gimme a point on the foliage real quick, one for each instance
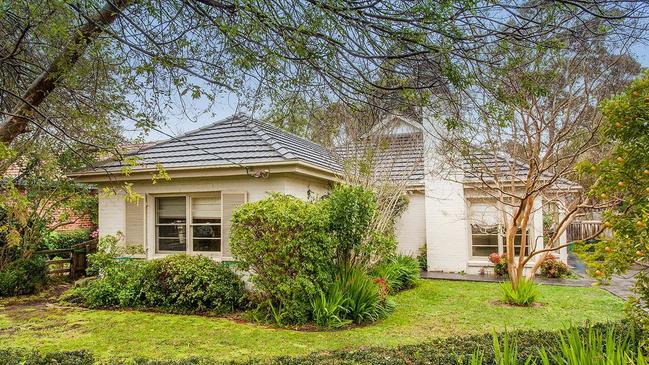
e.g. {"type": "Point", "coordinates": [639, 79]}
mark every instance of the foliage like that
{"type": "Point", "coordinates": [553, 268]}
{"type": "Point", "coordinates": [508, 348]}
{"type": "Point", "coordinates": [595, 348]}
{"type": "Point", "coordinates": [56, 240]}
{"type": "Point", "coordinates": [351, 211]}
{"type": "Point", "coordinates": [24, 276]}
{"type": "Point", "coordinates": [177, 283]}
{"type": "Point", "coordinates": [401, 272]}
{"type": "Point", "coordinates": [433, 310]}
{"type": "Point", "coordinates": [422, 257]}
{"type": "Point", "coordinates": [191, 284]}
{"type": "Point", "coordinates": [623, 180]}
{"type": "Point", "coordinates": [524, 294]}
{"type": "Point", "coordinates": [329, 310]}
{"type": "Point", "coordinates": [500, 264]}
{"type": "Point", "coordinates": [284, 242]}
{"type": "Point", "coordinates": [363, 301]}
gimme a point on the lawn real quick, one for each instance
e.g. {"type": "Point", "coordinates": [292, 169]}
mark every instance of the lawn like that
{"type": "Point", "coordinates": [434, 309]}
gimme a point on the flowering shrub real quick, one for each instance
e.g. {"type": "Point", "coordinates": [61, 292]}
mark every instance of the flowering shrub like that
{"type": "Point", "coordinates": [494, 258]}
{"type": "Point", "coordinates": [553, 268]}
{"type": "Point", "coordinates": [500, 264]}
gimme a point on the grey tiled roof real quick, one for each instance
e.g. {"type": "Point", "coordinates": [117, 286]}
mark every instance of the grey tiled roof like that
{"type": "Point", "coordinates": [237, 140]}
{"type": "Point", "coordinates": [396, 157]}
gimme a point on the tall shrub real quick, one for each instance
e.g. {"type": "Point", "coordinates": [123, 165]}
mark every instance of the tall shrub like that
{"type": "Point", "coordinates": [351, 211]}
{"type": "Point", "coordinates": [285, 243]}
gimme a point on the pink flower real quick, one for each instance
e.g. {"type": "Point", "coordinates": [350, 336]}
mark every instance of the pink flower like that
{"type": "Point", "coordinates": [495, 258]}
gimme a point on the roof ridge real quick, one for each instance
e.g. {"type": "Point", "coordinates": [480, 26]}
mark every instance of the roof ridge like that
{"type": "Point", "coordinates": [269, 125]}
{"type": "Point", "coordinates": [276, 145]}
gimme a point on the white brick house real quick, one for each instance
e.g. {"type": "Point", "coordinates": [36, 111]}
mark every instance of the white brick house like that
{"type": "Point", "coordinates": [239, 159]}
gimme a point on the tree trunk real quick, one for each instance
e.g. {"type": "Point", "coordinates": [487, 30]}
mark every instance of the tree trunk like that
{"type": "Point", "coordinates": [16, 123]}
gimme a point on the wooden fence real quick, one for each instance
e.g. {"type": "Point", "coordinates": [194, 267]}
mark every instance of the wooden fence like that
{"type": "Point", "coordinates": [71, 262]}
{"type": "Point", "coordinates": [584, 229]}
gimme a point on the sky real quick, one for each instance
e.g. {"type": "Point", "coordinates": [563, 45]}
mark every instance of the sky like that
{"type": "Point", "coordinates": [228, 105]}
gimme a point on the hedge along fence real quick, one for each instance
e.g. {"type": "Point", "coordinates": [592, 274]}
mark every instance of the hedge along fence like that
{"type": "Point", "coordinates": [450, 351]}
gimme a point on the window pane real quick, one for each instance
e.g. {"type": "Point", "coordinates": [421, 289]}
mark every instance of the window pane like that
{"type": "Point", "coordinates": [207, 221]}
{"type": "Point", "coordinates": [206, 244]}
{"type": "Point", "coordinates": [482, 229]}
{"type": "Point", "coordinates": [206, 207]}
{"type": "Point", "coordinates": [207, 231]}
{"type": "Point", "coordinates": [171, 244]}
{"type": "Point", "coordinates": [171, 209]}
{"type": "Point", "coordinates": [172, 232]}
{"type": "Point", "coordinates": [517, 240]}
{"type": "Point", "coordinates": [483, 251]}
{"type": "Point", "coordinates": [486, 240]}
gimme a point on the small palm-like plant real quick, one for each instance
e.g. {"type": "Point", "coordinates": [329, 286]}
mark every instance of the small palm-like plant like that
{"type": "Point", "coordinates": [524, 294]}
{"type": "Point", "coordinates": [363, 300]}
{"type": "Point", "coordinates": [329, 310]}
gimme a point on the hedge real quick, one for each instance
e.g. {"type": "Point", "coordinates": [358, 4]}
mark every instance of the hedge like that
{"type": "Point", "coordinates": [436, 352]}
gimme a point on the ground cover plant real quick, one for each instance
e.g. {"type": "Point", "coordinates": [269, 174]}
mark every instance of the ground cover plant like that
{"type": "Point", "coordinates": [432, 310]}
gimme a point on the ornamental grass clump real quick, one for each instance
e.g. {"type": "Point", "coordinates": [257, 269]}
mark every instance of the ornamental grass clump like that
{"type": "Point", "coordinates": [524, 294]}
{"type": "Point", "coordinates": [400, 272]}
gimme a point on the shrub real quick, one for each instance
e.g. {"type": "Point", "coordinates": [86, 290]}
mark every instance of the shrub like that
{"type": "Point", "coordinates": [401, 272]}
{"type": "Point", "coordinates": [422, 257]}
{"type": "Point", "coordinates": [191, 284]}
{"type": "Point", "coordinates": [58, 240]}
{"type": "Point", "coordinates": [523, 295]}
{"type": "Point", "coordinates": [500, 264]}
{"type": "Point", "coordinates": [177, 283]}
{"type": "Point", "coordinates": [285, 243]}
{"type": "Point", "coordinates": [553, 268]}
{"type": "Point", "coordinates": [24, 276]}
{"type": "Point", "coordinates": [351, 211]}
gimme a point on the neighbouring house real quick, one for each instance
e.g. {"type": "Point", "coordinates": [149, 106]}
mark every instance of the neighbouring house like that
{"type": "Point", "coordinates": [221, 166]}
{"type": "Point", "coordinates": [65, 220]}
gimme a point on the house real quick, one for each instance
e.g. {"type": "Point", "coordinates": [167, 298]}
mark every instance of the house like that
{"type": "Point", "coordinates": [221, 166]}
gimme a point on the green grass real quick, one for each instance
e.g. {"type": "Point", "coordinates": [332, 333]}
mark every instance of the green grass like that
{"type": "Point", "coordinates": [434, 309]}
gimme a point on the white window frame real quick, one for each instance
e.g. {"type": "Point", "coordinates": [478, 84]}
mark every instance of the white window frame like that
{"type": "Point", "coordinates": [189, 244]}
{"type": "Point", "coordinates": [501, 235]}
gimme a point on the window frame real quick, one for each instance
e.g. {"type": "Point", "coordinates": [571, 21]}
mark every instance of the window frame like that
{"type": "Point", "coordinates": [501, 232]}
{"type": "Point", "coordinates": [189, 244]}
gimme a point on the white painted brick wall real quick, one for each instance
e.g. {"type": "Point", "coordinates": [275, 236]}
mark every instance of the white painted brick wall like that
{"type": "Point", "coordinates": [411, 226]}
{"type": "Point", "coordinates": [446, 209]}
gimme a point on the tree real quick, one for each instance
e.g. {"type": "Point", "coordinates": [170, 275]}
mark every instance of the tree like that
{"type": "Point", "coordinates": [529, 126]}
{"type": "Point", "coordinates": [623, 177]}
{"type": "Point", "coordinates": [159, 51]}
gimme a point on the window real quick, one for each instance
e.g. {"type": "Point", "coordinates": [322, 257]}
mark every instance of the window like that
{"type": "Point", "coordinates": [488, 232]}
{"type": "Point", "coordinates": [188, 223]}
{"type": "Point", "coordinates": [484, 239]}
{"type": "Point", "coordinates": [206, 224]}
{"type": "Point", "coordinates": [171, 224]}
